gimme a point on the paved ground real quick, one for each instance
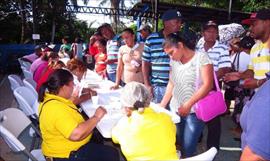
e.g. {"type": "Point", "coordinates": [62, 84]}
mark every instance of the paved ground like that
{"type": "Point", "coordinates": [230, 150]}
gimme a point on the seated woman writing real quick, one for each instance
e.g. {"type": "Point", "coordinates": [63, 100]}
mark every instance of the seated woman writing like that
{"type": "Point", "coordinates": [144, 134]}
{"type": "Point", "coordinates": [78, 69]}
{"type": "Point", "coordinates": [65, 133]}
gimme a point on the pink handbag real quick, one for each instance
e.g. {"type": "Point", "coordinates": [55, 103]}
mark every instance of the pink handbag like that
{"type": "Point", "coordinates": [211, 105]}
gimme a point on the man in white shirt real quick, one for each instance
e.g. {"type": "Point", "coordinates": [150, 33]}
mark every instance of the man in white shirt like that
{"type": "Point", "coordinates": [219, 54]}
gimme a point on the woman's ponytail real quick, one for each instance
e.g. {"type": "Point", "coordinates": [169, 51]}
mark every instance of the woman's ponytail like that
{"type": "Point", "coordinates": [41, 92]}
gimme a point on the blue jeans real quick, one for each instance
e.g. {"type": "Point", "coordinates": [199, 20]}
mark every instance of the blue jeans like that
{"type": "Point", "coordinates": [158, 92]}
{"type": "Point", "coordinates": [111, 76]}
{"type": "Point", "coordinates": [188, 133]}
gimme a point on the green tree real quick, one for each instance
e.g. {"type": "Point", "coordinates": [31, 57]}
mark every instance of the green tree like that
{"type": "Point", "coordinates": [14, 15]}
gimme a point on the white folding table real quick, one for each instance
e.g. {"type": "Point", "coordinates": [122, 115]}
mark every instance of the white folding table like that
{"type": "Point", "coordinates": [110, 100]}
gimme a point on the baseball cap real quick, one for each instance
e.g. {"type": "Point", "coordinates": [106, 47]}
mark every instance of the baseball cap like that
{"type": "Point", "coordinates": [171, 14]}
{"type": "Point", "coordinates": [263, 14]}
{"type": "Point", "coordinates": [210, 23]}
{"type": "Point", "coordinates": [46, 49]}
{"type": "Point", "coordinates": [51, 46]}
{"type": "Point", "coordinates": [144, 27]}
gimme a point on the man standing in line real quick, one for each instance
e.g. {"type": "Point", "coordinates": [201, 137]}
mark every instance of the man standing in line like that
{"type": "Point", "coordinates": [145, 31]}
{"type": "Point", "coordinates": [155, 62]}
{"type": "Point", "coordinates": [259, 64]}
{"type": "Point", "coordinates": [219, 54]}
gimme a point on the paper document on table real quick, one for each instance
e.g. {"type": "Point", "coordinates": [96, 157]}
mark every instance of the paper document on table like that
{"type": "Point", "coordinates": [109, 100]}
{"type": "Point", "coordinates": [108, 97]}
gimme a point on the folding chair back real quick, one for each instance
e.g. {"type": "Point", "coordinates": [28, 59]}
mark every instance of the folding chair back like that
{"type": "Point", "coordinates": [16, 146]}
{"type": "Point", "coordinates": [27, 101]}
{"type": "Point", "coordinates": [27, 73]}
{"type": "Point", "coordinates": [24, 64]}
{"type": "Point", "coordinates": [31, 84]}
{"type": "Point", "coordinates": [15, 121]}
{"type": "Point", "coordinates": [11, 140]}
{"type": "Point", "coordinates": [15, 81]}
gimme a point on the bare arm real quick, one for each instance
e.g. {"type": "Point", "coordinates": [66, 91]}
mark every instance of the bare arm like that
{"type": "Point", "coordinates": [247, 74]}
{"type": "Point", "coordinates": [87, 94]}
{"type": "Point", "coordinates": [168, 94]}
{"type": "Point", "coordinates": [82, 98]}
{"type": "Point", "coordinates": [237, 75]}
{"type": "Point", "coordinates": [111, 61]}
{"type": "Point", "coordinates": [249, 155]}
{"type": "Point", "coordinates": [207, 79]}
{"type": "Point", "coordinates": [222, 71]}
{"type": "Point", "coordinates": [146, 69]}
{"type": "Point", "coordinates": [119, 72]}
{"type": "Point", "coordinates": [85, 128]}
{"type": "Point", "coordinates": [252, 83]}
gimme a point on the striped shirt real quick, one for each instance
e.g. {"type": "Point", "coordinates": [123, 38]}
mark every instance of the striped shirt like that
{"type": "Point", "coordinates": [219, 54]}
{"type": "Point", "coordinates": [112, 52]}
{"type": "Point", "coordinates": [183, 77]}
{"type": "Point", "coordinates": [160, 61]}
{"type": "Point", "coordinates": [259, 60]}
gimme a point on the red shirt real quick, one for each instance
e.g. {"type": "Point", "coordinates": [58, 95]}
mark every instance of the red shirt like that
{"type": "Point", "coordinates": [44, 77]}
{"type": "Point", "coordinates": [93, 50]}
{"type": "Point", "coordinates": [100, 65]}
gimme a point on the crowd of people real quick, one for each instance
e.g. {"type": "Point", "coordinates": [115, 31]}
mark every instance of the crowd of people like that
{"type": "Point", "coordinates": [160, 67]}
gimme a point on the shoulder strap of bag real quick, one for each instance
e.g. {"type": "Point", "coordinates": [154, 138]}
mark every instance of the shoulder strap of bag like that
{"type": "Point", "coordinates": [79, 110]}
{"type": "Point", "coordinates": [198, 75]}
{"type": "Point", "coordinates": [238, 61]}
{"type": "Point", "coordinates": [236, 58]}
{"type": "Point", "coordinates": [41, 108]}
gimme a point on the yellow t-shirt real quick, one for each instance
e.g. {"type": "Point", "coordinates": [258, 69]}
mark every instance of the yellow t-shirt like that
{"type": "Point", "coordinates": [260, 60]}
{"type": "Point", "coordinates": [57, 121]}
{"type": "Point", "coordinates": [146, 136]}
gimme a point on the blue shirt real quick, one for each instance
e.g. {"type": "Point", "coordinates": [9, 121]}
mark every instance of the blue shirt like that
{"type": "Point", "coordinates": [255, 122]}
{"type": "Point", "coordinates": [112, 52]}
{"type": "Point", "coordinates": [160, 61]}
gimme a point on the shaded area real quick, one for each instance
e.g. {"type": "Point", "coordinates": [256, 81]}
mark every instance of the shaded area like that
{"type": "Point", "coordinates": [190, 13]}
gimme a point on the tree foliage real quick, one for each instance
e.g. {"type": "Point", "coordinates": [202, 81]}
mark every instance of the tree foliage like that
{"type": "Point", "coordinates": [240, 5]}
{"type": "Point", "coordinates": [48, 12]}
{"type": "Point", "coordinates": [53, 22]}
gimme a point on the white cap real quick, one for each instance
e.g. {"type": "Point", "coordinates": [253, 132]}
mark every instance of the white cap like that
{"type": "Point", "coordinates": [144, 27]}
{"type": "Point", "coordinates": [133, 93]}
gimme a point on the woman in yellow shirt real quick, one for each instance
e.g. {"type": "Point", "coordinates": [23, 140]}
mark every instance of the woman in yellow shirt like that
{"type": "Point", "coordinates": [65, 133]}
{"type": "Point", "coordinates": [144, 134]}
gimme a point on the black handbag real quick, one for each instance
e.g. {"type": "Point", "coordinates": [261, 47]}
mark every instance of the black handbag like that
{"type": "Point", "coordinates": [235, 68]}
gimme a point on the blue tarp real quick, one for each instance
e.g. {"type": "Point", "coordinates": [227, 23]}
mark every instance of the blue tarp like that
{"type": "Point", "coordinates": [11, 52]}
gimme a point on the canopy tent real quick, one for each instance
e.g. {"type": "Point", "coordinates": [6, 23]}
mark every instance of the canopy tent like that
{"type": "Point", "coordinates": [146, 8]}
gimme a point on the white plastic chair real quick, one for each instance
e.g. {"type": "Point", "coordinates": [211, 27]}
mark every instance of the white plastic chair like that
{"type": "Point", "coordinates": [16, 121]}
{"type": "Point", "coordinates": [31, 84]}
{"type": "Point", "coordinates": [27, 74]}
{"type": "Point", "coordinates": [11, 127]}
{"type": "Point", "coordinates": [24, 64]}
{"type": "Point", "coordinates": [28, 102]}
{"type": "Point", "coordinates": [15, 81]}
{"type": "Point", "coordinates": [209, 155]}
